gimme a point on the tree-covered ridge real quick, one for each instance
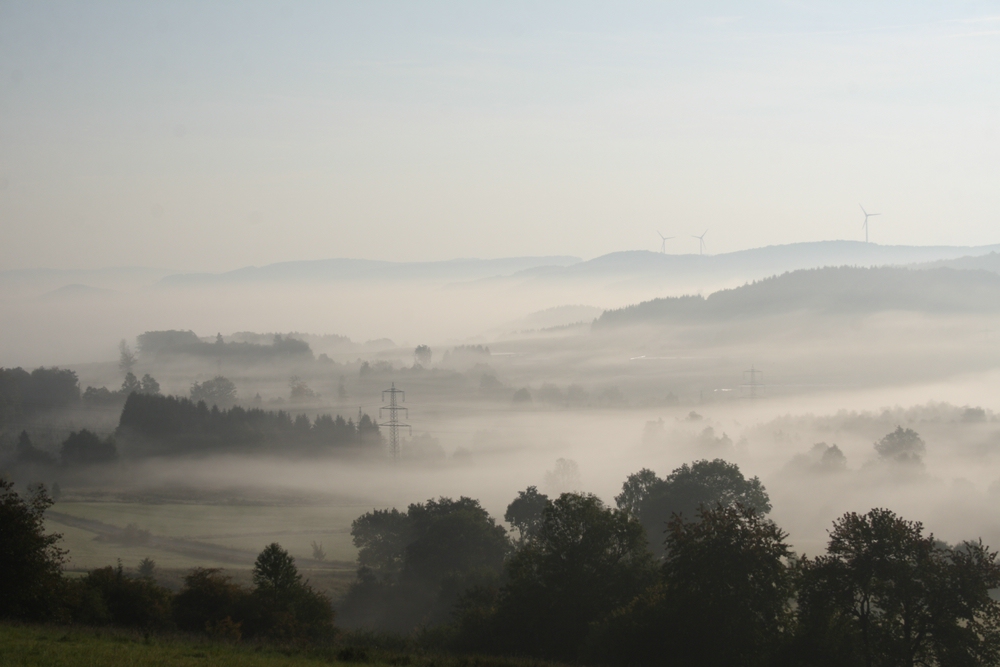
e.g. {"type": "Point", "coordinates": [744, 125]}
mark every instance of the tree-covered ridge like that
{"type": "Point", "coordinates": [171, 425]}
{"type": "Point", "coordinates": [843, 289]}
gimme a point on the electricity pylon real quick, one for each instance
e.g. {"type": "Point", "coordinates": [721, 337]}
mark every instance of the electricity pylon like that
{"type": "Point", "coordinates": [394, 424]}
{"type": "Point", "coordinates": [753, 381]}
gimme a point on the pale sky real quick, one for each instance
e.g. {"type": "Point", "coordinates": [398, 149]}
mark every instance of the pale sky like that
{"type": "Point", "coordinates": [210, 136]}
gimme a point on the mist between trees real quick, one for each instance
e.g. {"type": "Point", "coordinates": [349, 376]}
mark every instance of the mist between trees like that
{"type": "Point", "coordinates": [684, 570]}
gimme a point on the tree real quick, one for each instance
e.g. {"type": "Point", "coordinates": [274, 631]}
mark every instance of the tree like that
{"type": "Point", "coordinates": [901, 446]}
{"type": "Point", "coordinates": [218, 391]}
{"type": "Point", "coordinates": [27, 454]}
{"type": "Point", "coordinates": [126, 358]}
{"type": "Point", "coordinates": [274, 571]}
{"type": "Point", "coordinates": [526, 513]}
{"type": "Point", "coordinates": [299, 389]}
{"type": "Point", "coordinates": [110, 596]}
{"type": "Point", "coordinates": [724, 596]}
{"type": "Point", "coordinates": [686, 490]}
{"type": "Point", "coordinates": [285, 607]}
{"type": "Point", "coordinates": [131, 384]}
{"type": "Point", "coordinates": [149, 385]}
{"type": "Point", "coordinates": [84, 448]}
{"type": "Point", "coordinates": [423, 355]}
{"type": "Point", "coordinates": [30, 560]}
{"type": "Point", "coordinates": [147, 569]}
{"type": "Point", "coordinates": [206, 600]}
{"type": "Point", "coordinates": [413, 565]}
{"type": "Point", "coordinates": [522, 395]}
{"type": "Point", "coordinates": [900, 597]}
{"type": "Point", "coordinates": [637, 489]}
{"type": "Point", "coordinates": [586, 560]}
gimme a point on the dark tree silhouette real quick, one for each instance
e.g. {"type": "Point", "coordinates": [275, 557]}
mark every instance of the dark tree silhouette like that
{"type": "Point", "coordinates": [218, 391]}
{"type": "Point", "coordinates": [414, 565]}
{"type": "Point", "coordinates": [901, 446]}
{"type": "Point", "coordinates": [84, 448]}
{"type": "Point", "coordinates": [586, 560]}
{"type": "Point", "coordinates": [724, 597]}
{"type": "Point", "coordinates": [526, 512]}
{"type": "Point", "coordinates": [889, 595]}
{"type": "Point", "coordinates": [27, 454]}
{"type": "Point", "coordinates": [274, 571]}
{"type": "Point", "coordinates": [30, 560]}
{"type": "Point", "coordinates": [686, 490]}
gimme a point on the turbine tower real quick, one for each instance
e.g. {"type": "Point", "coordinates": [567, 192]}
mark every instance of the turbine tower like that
{"type": "Point", "coordinates": [701, 242]}
{"type": "Point", "coordinates": [663, 244]}
{"type": "Point", "coordinates": [867, 215]}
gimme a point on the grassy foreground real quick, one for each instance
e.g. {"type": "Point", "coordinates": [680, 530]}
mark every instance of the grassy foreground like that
{"type": "Point", "coordinates": [58, 646]}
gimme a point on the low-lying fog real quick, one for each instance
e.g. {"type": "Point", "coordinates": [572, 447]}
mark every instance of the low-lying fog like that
{"type": "Point", "coordinates": [598, 403]}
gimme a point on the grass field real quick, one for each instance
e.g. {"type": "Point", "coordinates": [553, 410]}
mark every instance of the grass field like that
{"type": "Point", "coordinates": [187, 535]}
{"type": "Point", "coordinates": [57, 646]}
{"type": "Point", "coordinates": [245, 527]}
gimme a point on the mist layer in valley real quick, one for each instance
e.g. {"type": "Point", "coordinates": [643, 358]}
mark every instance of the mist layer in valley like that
{"type": "Point", "coordinates": [531, 378]}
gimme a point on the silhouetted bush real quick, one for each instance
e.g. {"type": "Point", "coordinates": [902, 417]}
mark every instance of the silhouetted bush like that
{"type": "Point", "coordinates": [109, 596]}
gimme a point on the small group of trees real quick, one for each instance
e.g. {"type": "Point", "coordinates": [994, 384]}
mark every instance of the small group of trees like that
{"type": "Point", "coordinates": [279, 606]}
{"type": "Point", "coordinates": [102, 396]}
{"type": "Point", "coordinates": [80, 448]}
{"type": "Point", "coordinates": [171, 425]}
{"type": "Point", "coordinates": [413, 565]}
{"type": "Point", "coordinates": [24, 395]}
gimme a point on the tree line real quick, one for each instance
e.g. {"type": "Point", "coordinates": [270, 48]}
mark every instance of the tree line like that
{"type": "Point", "coordinates": [574, 580]}
{"type": "Point", "coordinates": [684, 570]}
{"type": "Point", "coordinates": [165, 425]}
{"type": "Point", "coordinates": [166, 344]}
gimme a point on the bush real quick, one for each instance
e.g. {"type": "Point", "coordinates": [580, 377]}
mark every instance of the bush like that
{"type": "Point", "coordinates": [207, 600]}
{"type": "Point", "coordinates": [108, 596]}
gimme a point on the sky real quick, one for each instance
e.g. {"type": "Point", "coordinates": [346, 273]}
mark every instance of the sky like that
{"type": "Point", "coordinates": [213, 135]}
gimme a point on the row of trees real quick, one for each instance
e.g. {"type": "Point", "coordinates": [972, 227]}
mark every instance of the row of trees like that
{"type": "Point", "coordinates": [169, 425]}
{"type": "Point", "coordinates": [164, 345]}
{"type": "Point", "coordinates": [280, 605]}
{"type": "Point", "coordinates": [714, 584]}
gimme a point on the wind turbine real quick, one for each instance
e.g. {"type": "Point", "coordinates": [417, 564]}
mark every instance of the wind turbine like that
{"type": "Point", "coordinates": [867, 215]}
{"type": "Point", "coordinates": [701, 242]}
{"type": "Point", "coordinates": [663, 245]}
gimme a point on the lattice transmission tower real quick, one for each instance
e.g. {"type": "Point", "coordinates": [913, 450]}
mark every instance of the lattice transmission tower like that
{"type": "Point", "coordinates": [753, 383]}
{"type": "Point", "coordinates": [394, 424]}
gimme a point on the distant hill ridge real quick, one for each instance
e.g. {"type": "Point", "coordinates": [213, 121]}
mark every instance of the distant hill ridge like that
{"type": "Point", "coordinates": [762, 262]}
{"type": "Point", "coordinates": [848, 290]}
{"type": "Point", "coordinates": [372, 270]}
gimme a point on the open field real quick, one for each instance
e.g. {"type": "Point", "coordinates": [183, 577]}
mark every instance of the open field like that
{"type": "Point", "coordinates": [55, 646]}
{"type": "Point", "coordinates": [183, 536]}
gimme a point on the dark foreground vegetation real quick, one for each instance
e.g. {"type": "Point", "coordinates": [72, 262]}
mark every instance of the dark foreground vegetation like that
{"type": "Point", "coordinates": [684, 570]}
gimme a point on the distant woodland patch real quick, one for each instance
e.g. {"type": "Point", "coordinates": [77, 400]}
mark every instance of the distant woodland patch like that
{"type": "Point", "coordinates": [165, 344]}
{"type": "Point", "coordinates": [835, 290]}
{"type": "Point", "coordinates": [165, 425]}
